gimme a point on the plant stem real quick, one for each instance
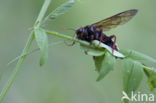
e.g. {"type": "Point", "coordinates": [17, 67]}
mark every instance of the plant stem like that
{"type": "Point", "coordinates": [25, 50]}
{"type": "Point", "coordinates": [67, 37]}
{"type": "Point", "coordinates": [42, 13]}
{"type": "Point", "coordinates": [16, 70]}
{"type": "Point", "coordinates": [32, 51]}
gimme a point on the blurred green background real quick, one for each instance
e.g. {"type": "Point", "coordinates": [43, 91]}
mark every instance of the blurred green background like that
{"type": "Point", "coordinates": [69, 75]}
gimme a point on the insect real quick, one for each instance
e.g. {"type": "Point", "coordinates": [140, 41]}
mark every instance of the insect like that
{"type": "Point", "coordinates": [95, 31]}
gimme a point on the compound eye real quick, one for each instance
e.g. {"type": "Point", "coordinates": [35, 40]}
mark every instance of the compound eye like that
{"type": "Point", "coordinates": [79, 31]}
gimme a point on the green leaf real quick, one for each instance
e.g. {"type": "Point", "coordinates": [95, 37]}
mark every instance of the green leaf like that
{"type": "Point", "coordinates": [42, 41]}
{"type": "Point", "coordinates": [132, 75]}
{"type": "Point", "coordinates": [151, 77]}
{"type": "Point", "coordinates": [104, 64]}
{"type": "Point", "coordinates": [98, 62]}
{"type": "Point", "coordinates": [116, 53]}
{"type": "Point", "coordinates": [137, 56]}
{"type": "Point", "coordinates": [93, 51]}
{"type": "Point", "coordinates": [100, 50]}
{"type": "Point", "coordinates": [60, 10]}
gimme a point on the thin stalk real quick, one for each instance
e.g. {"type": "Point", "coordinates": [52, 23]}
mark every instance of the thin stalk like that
{"type": "Point", "coordinates": [66, 37]}
{"type": "Point", "coordinates": [42, 13]}
{"type": "Point", "coordinates": [16, 70]}
{"type": "Point", "coordinates": [25, 50]}
{"type": "Point", "coordinates": [32, 51]}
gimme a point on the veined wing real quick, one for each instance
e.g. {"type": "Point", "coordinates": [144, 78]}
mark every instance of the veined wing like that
{"type": "Point", "coordinates": [115, 20]}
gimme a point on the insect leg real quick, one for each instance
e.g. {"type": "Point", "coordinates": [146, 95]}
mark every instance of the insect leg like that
{"type": "Point", "coordinates": [69, 44]}
{"type": "Point", "coordinates": [101, 31]}
{"type": "Point", "coordinates": [113, 48]}
{"type": "Point", "coordinates": [92, 37]}
{"type": "Point", "coordinates": [71, 40]}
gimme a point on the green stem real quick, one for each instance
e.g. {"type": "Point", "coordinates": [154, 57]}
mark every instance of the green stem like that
{"type": "Point", "coordinates": [42, 13]}
{"type": "Point", "coordinates": [66, 37]}
{"type": "Point", "coordinates": [32, 51]}
{"type": "Point", "coordinates": [16, 70]}
{"type": "Point", "coordinates": [25, 50]}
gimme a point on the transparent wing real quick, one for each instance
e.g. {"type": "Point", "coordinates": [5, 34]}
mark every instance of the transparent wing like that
{"type": "Point", "coordinates": [115, 20]}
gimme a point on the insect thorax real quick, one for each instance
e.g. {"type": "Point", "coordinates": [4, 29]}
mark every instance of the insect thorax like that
{"type": "Point", "coordinates": [87, 32]}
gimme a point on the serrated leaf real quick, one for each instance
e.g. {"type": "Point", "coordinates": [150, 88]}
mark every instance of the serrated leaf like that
{"type": "Point", "coordinates": [137, 56]}
{"type": "Point", "coordinates": [104, 64]}
{"type": "Point", "coordinates": [116, 53]}
{"type": "Point", "coordinates": [151, 77]}
{"type": "Point", "coordinates": [132, 75]}
{"type": "Point", "coordinates": [60, 10]}
{"type": "Point", "coordinates": [42, 41]}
